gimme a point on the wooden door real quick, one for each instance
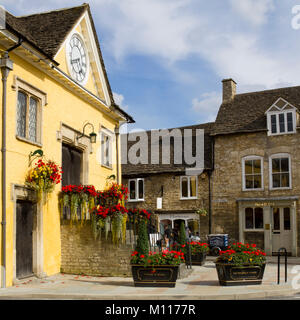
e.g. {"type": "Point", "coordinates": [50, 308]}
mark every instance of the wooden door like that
{"type": "Point", "coordinates": [24, 245]}
{"type": "Point", "coordinates": [282, 229]}
{"type": "Point", "coordinates": [71, 165]}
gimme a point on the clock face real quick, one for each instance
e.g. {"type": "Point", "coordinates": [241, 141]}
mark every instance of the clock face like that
{"type": "Point", "coordinates": [77, 58]}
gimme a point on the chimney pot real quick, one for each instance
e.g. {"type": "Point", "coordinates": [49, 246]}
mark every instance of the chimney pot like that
{"type": "Point", "coordinates": [229, 90]}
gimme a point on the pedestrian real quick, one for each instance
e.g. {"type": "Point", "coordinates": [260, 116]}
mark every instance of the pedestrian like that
{"type": "Point", "coordinates": [188, 232]}
{"type": "Point", "coordinates": [167, 235]}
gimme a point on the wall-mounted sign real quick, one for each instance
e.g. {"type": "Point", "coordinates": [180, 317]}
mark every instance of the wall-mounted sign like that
{"type": "Point", "coordinates": [267, 226]}
{"type": "Point", "coordinates": [264, 204]}
{"type": "Point", "coordinates": [158, 203]}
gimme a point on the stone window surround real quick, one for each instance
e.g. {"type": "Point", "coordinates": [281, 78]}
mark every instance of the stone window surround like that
{"type": "Point", "coordinates": [68, 135]}
{"type": "Point", "coordinates": [136, 190]}
{"type": "Point", "coordinates": [21, 85]}
{"type": "Point", "coordinates": [280, 155]}
{"type": "Point", "coordinates": [188, 198]}
{"type": "Point", "coordinates": [21, 192]}
{"type": "Point", "coordinates": [252, 157]}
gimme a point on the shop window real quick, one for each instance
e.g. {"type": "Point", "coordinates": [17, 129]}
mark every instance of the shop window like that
{"type": "Point", "coordinates": [254, 218]}
{"type": "Point", "coordinates": [287, 218]}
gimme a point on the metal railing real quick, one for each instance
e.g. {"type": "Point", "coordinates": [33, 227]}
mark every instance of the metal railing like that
{"type": "Point", "coordinates": [285, 263]}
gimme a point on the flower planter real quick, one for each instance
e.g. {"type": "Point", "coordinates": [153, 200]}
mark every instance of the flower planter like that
{"type": "Point", "coordinates": [232, 275]}
{"type": "Point", "coordinates": [154, 276]}
{"type": "Point", "coordinates": [197, 259]}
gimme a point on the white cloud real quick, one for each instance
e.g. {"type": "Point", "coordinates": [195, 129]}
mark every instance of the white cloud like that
{"type": "Point", "coordinates": [207, 106]}
{"type": "Point", "coordinates": [173, 31]}
{"type": "Point", "coordinates": [254, 11]}
{"type": "Point", "coordinates": [159, 28]}
{"type": "Point", "coordinates": [119, 99]}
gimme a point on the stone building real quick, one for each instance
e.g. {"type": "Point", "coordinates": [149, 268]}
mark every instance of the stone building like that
{"type": "Point", "coordinates": [255, 182]}
{"type": "Point", "coordinates": [254, 153]}
{"type": "Point", "coordinates": [167, 189]}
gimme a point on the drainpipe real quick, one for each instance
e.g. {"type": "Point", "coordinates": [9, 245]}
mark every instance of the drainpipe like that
{"type": "Point", "coordinates": [209, 186]}
{"type": "Point", "coordinates": [6, 66]}
{"type": "Point", "coordinates": [209, 202]}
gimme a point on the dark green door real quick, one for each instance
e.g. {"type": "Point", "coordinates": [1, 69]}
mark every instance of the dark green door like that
{"type": "Point", "coordinates": [24, 239]}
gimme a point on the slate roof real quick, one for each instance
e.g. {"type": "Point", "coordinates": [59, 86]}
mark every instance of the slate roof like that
{"type": "Point", "coordinates": [47, 31]}
{"type": "Point", "coordinates": [132, 170]}
{"type": "Point", "coordinates": [246, 113]}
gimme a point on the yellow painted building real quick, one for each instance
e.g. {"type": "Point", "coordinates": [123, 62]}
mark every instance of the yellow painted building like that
{"type": "Point", "coordinates": [57, 86]}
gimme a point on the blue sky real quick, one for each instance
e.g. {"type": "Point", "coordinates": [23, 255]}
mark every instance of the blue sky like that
{"type": "Point", "coordinates": [166, 58]}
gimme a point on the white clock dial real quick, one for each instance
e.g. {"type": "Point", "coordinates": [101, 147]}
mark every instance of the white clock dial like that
{"type": "Point", "coordinates": [77, 58]}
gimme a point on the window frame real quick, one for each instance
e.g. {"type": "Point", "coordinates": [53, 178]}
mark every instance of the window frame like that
{"type": "Point", "coordinates": [137, 199]}
{"type": "Point", "coordinates": [279, 156]}
{"type": "Point", "coordinates": [277, 111]}
{"type": "Point", "coordinates": [30, 91]}
{"type": "Point", "coordinates": [105, 132]}
{"type": "Point", "coordinates": [253, 218]}
{"type": "Point", "coordinates": [189, 187]}
{"type": "Point", "coordinates": [252, 157]}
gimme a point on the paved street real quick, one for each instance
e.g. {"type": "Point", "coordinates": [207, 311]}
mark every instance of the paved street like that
{"type": "Point", "coordinates": [201, 284]}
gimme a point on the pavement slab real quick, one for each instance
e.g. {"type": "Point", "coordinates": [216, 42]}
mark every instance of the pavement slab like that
{"type": "Point", "coordinates": [201, 284]}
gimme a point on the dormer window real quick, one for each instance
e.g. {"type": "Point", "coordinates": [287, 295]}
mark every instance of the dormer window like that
{"type": "Point", "coordinates": [281, 118]}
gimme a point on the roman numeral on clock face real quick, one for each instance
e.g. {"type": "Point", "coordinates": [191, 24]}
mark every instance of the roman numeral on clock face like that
{"type": "Point", "coordinates": [77, 58]}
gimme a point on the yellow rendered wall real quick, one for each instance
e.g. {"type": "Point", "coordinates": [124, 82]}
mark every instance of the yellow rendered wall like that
{"type": "Point", "coordinates": [63, 105]}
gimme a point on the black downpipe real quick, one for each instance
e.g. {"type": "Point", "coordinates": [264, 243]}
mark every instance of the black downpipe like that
{"type": "Point", "coordinates": [210, 187]}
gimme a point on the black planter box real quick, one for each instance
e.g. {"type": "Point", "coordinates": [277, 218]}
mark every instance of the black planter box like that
{"type": "Point", "coordinates": [231, 275]}
{"type": "Point", "coordinates": [157, 276]}
{"type": "Point", "coordinates": [197, 259]}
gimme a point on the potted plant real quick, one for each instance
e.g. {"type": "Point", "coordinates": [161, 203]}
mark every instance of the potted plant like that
{"type": "Point", "coordinates": [43, 177]}
{"type": "Point", "coordinates": [198, 251]}
{"type": "Point", "coordinates": [241, 264]}
{"type": "Point", "coordinates": [156, 269]}
{"type": "Point", "coordinates": [153, 269]}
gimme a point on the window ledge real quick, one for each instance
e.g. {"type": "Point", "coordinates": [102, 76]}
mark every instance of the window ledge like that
{"type": "Point", "coordinates": [254, 230]}
{"type": "Point", "coordinates": [285, 188]}
{"type": "Point", "coordinates": [281, 133]}
{"type": "Point", "coordinates": [192, 198]}
{"type": "Point", "coordinates": [107, 167]}
{"type": "Point", "coordinates": [258, 189]}
{"type": "Point", "coordinates": [138, 200]}
{"type": "Point", "coordinates": [29, 141]}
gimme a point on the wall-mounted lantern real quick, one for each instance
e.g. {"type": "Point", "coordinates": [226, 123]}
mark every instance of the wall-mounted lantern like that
{"type": "Point", "coordinates": [93, 135]}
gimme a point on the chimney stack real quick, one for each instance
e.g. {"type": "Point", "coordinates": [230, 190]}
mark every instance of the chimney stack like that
{"type": "Point", "coordinates": [229, 90]}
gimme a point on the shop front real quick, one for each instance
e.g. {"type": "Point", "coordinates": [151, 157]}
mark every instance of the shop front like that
{"type": "Point", "coordinates": [174, 220]}
{"type": "Point", "coordinates": [269, 222]}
